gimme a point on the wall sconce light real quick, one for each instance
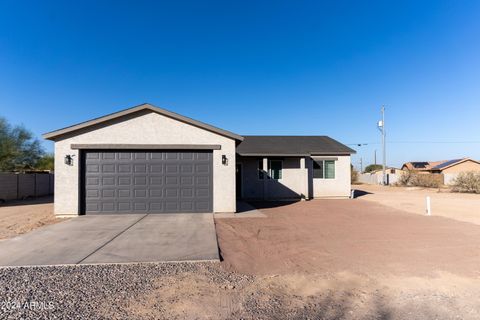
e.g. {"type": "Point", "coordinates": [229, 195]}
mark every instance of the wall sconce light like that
{"type": "Point", "coordinates": [69, 159]}
{"type": "Point", "coordinates": [224, 160]}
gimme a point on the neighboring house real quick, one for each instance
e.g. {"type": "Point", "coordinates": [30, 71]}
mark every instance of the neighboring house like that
{"type": "Point", "coordinates": [445, 166]}
{"type": "Point", "coordinates": [149, 160]}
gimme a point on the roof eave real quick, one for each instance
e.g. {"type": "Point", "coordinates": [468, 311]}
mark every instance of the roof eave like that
{"type": "Point", "coordinates": [146, 106]}
{"type": "Point", "coordinates": [269, 154]}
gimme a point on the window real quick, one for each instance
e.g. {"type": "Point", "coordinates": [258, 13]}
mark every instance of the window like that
{"type": "Point", "coordinates": [324, 169]}
{"type": "Point", "coordinates": [260, 169]}
{"type": "Point", "coordinates": [275, 171]}
{"type": "Point", "coordinates": [318, 169]}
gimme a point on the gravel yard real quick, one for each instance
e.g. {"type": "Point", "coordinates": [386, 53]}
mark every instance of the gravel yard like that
{"type": "Point", "coordinates": [208, 291]}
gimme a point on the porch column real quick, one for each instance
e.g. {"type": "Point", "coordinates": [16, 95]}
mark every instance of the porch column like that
{"type": "Point", "coordinates": [265, 178]}
{"type": "Point", "coordinates": [304, 169]}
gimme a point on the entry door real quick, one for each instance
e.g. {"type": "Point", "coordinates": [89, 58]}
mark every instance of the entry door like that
{"type": "Point", "coordinates": [238, 179]}
{"type": "Point", "coordinates": [124, 181]}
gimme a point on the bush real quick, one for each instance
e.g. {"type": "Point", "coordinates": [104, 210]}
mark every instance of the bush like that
{"type": "Point", "coordinates": [409, 178]}
{"type": "Point", "coordinates": [405, 178]}
{"type": "Point", "coordinates": [467, 182]}
{"type": "Point", "coordinates": [354, 176]}
{"type": "Point", "coordinates": [427, 180]}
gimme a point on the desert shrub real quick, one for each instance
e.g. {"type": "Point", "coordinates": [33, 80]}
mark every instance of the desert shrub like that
{"type": "Point", "coordinates": [427, 180]}
{"type": "Point", "coordinates": [409, 178]}
{"type": "Point", "coordinates": [405, 178]}
{"type": "Point", "coordinates": [354, 176]}
{"type": "Point", "coordinates": [467, 182]}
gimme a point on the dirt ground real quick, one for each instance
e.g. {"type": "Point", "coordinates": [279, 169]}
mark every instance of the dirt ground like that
{"type": "Point", "coordinates": [320, 259]}
{"type": "Point", "coordinates": [18, 217]}
{"type": "Point", "coordinates": [366, 259]}
{"type": "Point", "coordinates": [309, 296]}
{"type": "Point", "coordinates": [458, 206]}
{"type": "Point", "coordinates": [357, 236]}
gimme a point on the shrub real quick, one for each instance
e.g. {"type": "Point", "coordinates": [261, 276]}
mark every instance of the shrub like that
{"type": "Point", "coordinates": [427, 180]}
{"type": "Point", "coordinates": [467, 182]}
{"type": "Point", "coordinates": [409, 178]}
{"type": "Point", "coordinates": [354, 176]}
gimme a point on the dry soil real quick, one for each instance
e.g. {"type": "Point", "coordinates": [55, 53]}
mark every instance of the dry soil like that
{"type": "Point", "coordinates": [18, 217]}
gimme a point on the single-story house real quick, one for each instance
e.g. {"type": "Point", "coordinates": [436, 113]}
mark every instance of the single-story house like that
{"type": "Point", "coordinates": [150, 160]}
{"type": "Point", "coordinates": [443, 166]}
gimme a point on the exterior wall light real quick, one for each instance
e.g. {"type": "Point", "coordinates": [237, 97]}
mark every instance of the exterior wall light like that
{"type": "Point", "coordinates": [69, 159]}
{"type": "Point", "coordinates": [224, 160]}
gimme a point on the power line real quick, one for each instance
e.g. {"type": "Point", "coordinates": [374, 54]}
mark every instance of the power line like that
{"type": "Point", "coordinates": [415, 142]}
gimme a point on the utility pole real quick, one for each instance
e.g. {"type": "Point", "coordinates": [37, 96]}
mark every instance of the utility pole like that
{"type": "Point", "coordinates": [361, 165]}
{"type": "Point", "coordinates": [375, 156]}
{"type": "Point", "coordinates": [381, 127]}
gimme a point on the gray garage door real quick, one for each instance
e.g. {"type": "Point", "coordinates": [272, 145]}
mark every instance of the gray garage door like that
{"type": "Point", "coordinates": [147, 181]}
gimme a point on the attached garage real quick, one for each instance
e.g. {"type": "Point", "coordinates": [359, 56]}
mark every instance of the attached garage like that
{"type": "Point", "coordinates": [147, 181]}
{"type": "Point", "coordinates": [144, 160]}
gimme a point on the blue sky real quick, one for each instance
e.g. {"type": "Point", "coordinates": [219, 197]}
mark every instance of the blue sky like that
{"type": "Point", "coordinates": [253, 67]}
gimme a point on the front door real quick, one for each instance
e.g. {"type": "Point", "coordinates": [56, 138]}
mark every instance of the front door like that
{"type": "Point", "coordinates": [238, 179]}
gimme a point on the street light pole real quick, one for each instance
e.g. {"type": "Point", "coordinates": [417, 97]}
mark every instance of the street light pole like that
{"type": "Point", "coordinates": [384, 149]}
{"type": "Point", "coordinates": [381, 127]}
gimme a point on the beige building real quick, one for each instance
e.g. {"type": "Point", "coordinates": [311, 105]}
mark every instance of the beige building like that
{"type": "Point", "coordinates": [149, 160]}
{"type": "Point", "coordinates": [444, 166]}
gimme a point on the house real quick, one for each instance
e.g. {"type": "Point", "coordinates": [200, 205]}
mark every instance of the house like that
{"type": "Point", "coordinates": [445, 166]}
{"type": "Point", "coordinates": [150, 160]}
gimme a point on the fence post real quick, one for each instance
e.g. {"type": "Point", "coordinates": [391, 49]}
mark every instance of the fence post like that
{"type": "Point", "coordinates": [35, 185]}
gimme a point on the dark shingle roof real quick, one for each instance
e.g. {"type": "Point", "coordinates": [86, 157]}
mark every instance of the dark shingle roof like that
{"type": "Point", "coordinates": [291, 145]}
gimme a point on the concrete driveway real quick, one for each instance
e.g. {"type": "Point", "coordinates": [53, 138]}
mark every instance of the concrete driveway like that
{"type": "Point", "coordinates": [115, 239]}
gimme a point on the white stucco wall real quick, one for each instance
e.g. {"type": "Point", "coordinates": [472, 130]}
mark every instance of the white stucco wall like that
{"type": "Point", "coordinates": [144, 128]}
{"type": "Point", "coordinates": [292, 184]}
{"type": "Point", "coordinates": [296, 181]}
{"type": "Point", "coordinates": [338, 187]}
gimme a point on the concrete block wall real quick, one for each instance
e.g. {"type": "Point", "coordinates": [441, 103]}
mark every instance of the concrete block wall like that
{"type": "Point", "coordinates": [19, 186]}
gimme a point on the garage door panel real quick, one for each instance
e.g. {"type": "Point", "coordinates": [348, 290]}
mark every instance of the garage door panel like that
{"type": "Point", "coordinates": [124, 168]}
{"type": "Point", "coordinates": [125, 206]}
{"type": "Point", "coordinates": [108, 155]}
{"type": "Point", "coordinates": [156, 168]}
{"type": "Point", "coordinates": [108, 193]}
{"type": "Point", "coordinates": [124, 156]}
{"type": "Point", "coordinates": [140, 180]}
{"type": "Point", "coordinates": [108, 168]}
{"type": "Point", "coordinates": [93, 168]}
{"type": "Point", "coordinates": [156, 193]}
{"type": "Point", "coordinates": [95, 193]}
{"type": "Point", "coordinates": [93, 206]}
{"type": "Point", "coordinates": [108, 181]}
{"type": "Point", "coordinates": [202, 206]}
{"type": "Point", "coordinates": [171, 181]}
{"type": "Point", "coordinates": [152, 182]}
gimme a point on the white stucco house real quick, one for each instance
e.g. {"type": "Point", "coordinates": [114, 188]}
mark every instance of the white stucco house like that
{"type": "Point", "coordinates": [150, 160]}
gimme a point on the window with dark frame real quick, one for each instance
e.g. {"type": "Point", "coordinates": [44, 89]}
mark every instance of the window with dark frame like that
{"type": "Point", "coordinates": [324, 169]}
{"type": "Point", "coordinates": [318, 169]}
